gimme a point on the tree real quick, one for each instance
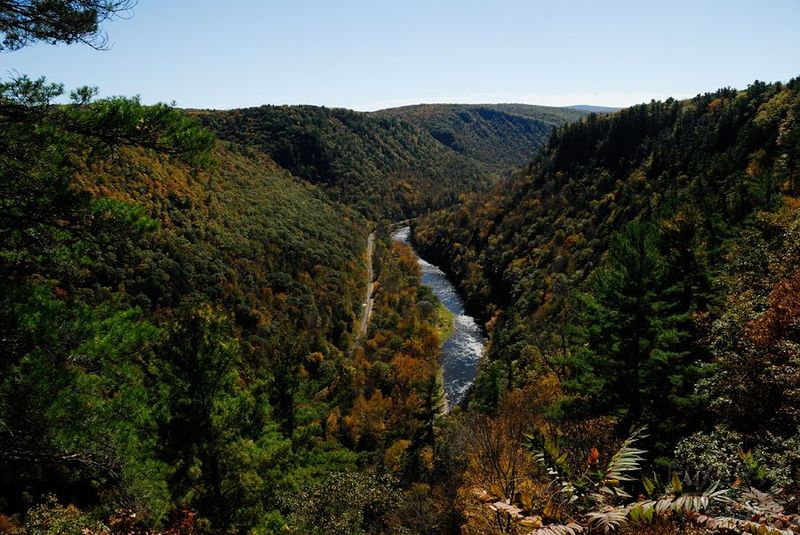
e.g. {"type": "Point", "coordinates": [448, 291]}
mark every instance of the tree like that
{"type": "Point", "coordinates": [497, 460]}
{"type": "Point", "coordinates": [40, 208]}
{"type": "Point", "coordinates": [77, 400]}
{"type": "Point", "coordinates": [229, 456]}
{"type": "Point", "coordinates": [344, 503]}
{"type": "Point", "coordinates": [23, 22]}
{"type": "Point", "coordinates": [286, 353]}
{"type": "Point", "coordinates": [754, 382]}
{"type": "Point", "coordinates": [77, 415]}
{"type": "Point", "coordinates": [678, 321]}
{"type": "Point", "coordinates": [615, 333]}
{"type": "Point", "coordinates": [636, 352]}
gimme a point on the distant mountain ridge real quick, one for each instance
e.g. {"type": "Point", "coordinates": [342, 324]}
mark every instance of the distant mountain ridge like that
{"type": "Point", "coordinates": [499, 136]}
{"type": "Point", "coordinates": [594, 109]}
{"type": "Point", "coordinates": [382, 166]}
{"type": "Point", "coordinates": [394, 163]}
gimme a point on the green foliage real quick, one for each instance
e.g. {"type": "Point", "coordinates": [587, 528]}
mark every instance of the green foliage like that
{"type": "Point", "coordinates": [600, 173]}
{"type": "Point", "coordinates": [499, 136]}
{"type": "Point", "coordinates": [52, 518]}
{"type": "Point", "coordinates": [120, 121]}
{"type": "Point", "coordinates": [77, 353]}
{"type": "Point", "coordinates": [100, 124]}
{"type": "Point", "coordinates": [145, 299]}
{"type": "Point", "coordinates": [82, 385]}
{"type": "Point", "coordinates": [381, 166]}
{"type": "Point", "coordinates": [228, 456]}
{"type": "Point", "coordinates": [445, 321]}
{"type": "Point", "coordinates": [344, 503]}
{"type": "Point", "coordinates": [657, 215]}
{"type": "Point", "coordinates": [175, 310]}
{"type": "Point", "coordinates": [635, 352]}
{"type": "Point", "coordinates": [23, 22]}
{"type": "Point", "coordinates": [617, 312]}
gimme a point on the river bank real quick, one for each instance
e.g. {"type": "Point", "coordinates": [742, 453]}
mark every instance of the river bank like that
{"type": "Point", "coordinates": [463, 348]}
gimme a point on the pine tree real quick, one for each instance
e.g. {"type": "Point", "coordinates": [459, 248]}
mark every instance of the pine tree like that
{"type": "Point", "coordinates": [229, 456]}
{"type": "Point", "coordinates": [675, 362]}
{"type": "Point", "coordinates": [636, 354]}
{"type": "Point", "coordinates": [616, 336]}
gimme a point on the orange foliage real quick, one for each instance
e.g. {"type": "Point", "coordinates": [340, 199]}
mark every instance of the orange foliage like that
{"type": "Point", "coordinates": [406, 258]}
{"type": "Point", "coordinates": [715, 105]}
{"type": "Point", "coordinates": [409, 370]}
{"type": "Point", "coordinates": [332, 425]}
{"type": "Point", "coordinates": [394, 456]}
{"type": "Point", "coordinates": [426, 457]}
{"type": "Point", "coordinates": [367, 417]}
{"type": "Point", "coordinates": [7, 525]}
{"type": "Point", "coordinates": [782, 319]}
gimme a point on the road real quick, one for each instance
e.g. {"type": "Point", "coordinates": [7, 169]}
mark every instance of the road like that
{"type": "Point", "coordinates": [368, 301]}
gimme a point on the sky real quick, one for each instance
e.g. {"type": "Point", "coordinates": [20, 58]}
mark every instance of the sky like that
{"type": "Point", "coordinates": [374, 54]}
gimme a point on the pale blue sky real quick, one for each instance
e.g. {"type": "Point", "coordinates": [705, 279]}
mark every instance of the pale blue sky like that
{"type": "Point", "coordinates": [371, 54]}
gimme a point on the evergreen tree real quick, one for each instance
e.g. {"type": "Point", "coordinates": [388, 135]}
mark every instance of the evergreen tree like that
{"type": "Point", "coordinates": [23, 22]}
{"type": "Point", "coordinates": [637, 354]}
{"type": "Point", "coordinates": [228, 454]}
{"type": "Point", "coordinates": [616, 331]}
{"type": "Point", "coordinates": [674, 366]}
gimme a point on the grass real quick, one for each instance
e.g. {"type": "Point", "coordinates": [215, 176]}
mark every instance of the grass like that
{"type": "Point", "coordinates": [445, 320]}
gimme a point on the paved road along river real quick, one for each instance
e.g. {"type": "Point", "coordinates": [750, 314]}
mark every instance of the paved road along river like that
{"type": "Point", "coordinates": [461, 353]}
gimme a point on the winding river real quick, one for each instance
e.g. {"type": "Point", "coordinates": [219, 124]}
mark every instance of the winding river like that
{"type": "Point", "coordinates": [461, 353]}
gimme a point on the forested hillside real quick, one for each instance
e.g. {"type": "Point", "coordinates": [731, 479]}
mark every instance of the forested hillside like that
{"type": "Point", "coordinates": [180, 292]}
{"type": "Point", "coordinates": [176, 318]}
{"type": "Point", "coordinates": [500, 136]}
{"type": "Point", "coordinates": [161, 291]}
{"type": "Point", "coordinates": [641, 271]}
{"type": "Point", "coordinates": [177, 312]}
{"type": "Point", "coordinates": [382, 166]}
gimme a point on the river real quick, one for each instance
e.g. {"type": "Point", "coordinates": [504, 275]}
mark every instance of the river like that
{"type": "Point", "coordinates": [461, 353]}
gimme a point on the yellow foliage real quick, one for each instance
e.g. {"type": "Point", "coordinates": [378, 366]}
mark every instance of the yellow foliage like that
{"type": "Point", "coordinates": [426, 458]}
{"type": "Point", "coordinates": [332, 425]}
{"type": "Point", "coordinates": [316, 357]}
{"type": "Point", "coordinates": [393, 457]}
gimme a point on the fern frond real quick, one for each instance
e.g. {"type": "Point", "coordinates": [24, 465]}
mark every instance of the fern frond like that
{"type": "Point", "coordinates": [559, 529]}
{"type": "Point", "coordinates": [607, 521]}
{"type": "Point", "coordinates": [740, 526]}
{"type": "Point", "coordinates": [762, 503]}
{"type": "Point", "coordinates": [547, 453]}
{"type": "Point", "coordinates": [626, 460]}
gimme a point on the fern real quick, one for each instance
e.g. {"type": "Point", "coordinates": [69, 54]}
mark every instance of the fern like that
{"type": "Point", "coordinates": [675, 501]}
{"type": "Point", "coordinates": [547, 453]}
{"type": "Point", "coordinates": [626, 460]}
{"type": "Point", "coordinates": [559, 529]}
{"type": "Point", "coordinates": [727, 524]}
{"type": "Point", "coordinates": [608, 520]}
{"type": "Point", "coordinates": [762, 503]}
{"type": "Point", "coordinates": [595, 491]}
